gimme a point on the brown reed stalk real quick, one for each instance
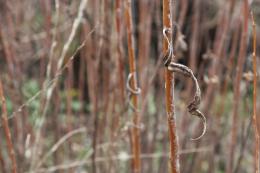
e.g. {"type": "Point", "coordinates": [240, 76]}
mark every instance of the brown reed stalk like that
{"type": "Point", "coordinates": [69, 115]}
{"type": "Point", "coordinates": [223, 94]}
{"type": "Point", "coordinates": [81, 83]}
{"type": "Point", "coordinates": [2, 163]}
{"type": "Point", "coordinates": [230, 64]}
{"type": "Point", "coordinates": [7, 131]}
{"type": "Point", "coordinates": [135, 131]}
{"type": "Point", "coordinates": [184, 8]}
{"type": "Point", "coordinates": [120, 61]}
{"type": "Point", "coordinates": [144, 41]}
{"type": "Point", "coordinates": [218, 46]}
{"type": "Point", "coordinates": [46, 10]}
{"type": "Point", "coordinates": [193, 55]}
{"type": "Point", "coordinates": [69, 87]}
{"type": "Point", "coordinates": [255, 98]}
{"type": "Point", "coordinates": [92, 83]}
{"type": "Point", "coordinates": [120, 66]}
{"type": "Point", "coordinates": [169, 89]}
{"type": "Point", "coordinates": [55, 123]}
{"type": "Point", "coordinates": [194, 39]}
{"type": "Point", "coordinates": [236, 99]}
{"type": "Point", "coordinates": [11, 68]}
{"type": "Point", "coordinates": [144, 30]}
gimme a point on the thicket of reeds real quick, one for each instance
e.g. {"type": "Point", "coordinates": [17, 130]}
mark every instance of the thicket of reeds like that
{"type": "Point", "coordinates": [129, 86]}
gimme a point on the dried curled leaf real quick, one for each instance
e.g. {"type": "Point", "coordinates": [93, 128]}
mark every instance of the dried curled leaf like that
{"type": "Point", "coordinates": [186, 71]}
{"type": "Point", "coordinates": [193, 106]}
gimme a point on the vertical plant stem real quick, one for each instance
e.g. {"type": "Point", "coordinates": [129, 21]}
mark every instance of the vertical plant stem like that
{"type": "Point", "coordinates": [69, 113]}
{"type": "Point", "coordinates": [7, 131]}
{"type": "Point", "coordinates": [135, 133]}
{"type": "Point", "coordinates": [120, 60]}
{"type": "Point", "coordinates": [119, 65]}
{"type": "Point", "coordinates": [8, 54]}
{"type": "Point", "coordinates": [46, 9]}
{"type": "Point", "coordinates": [183, 13]}
{"type": "Point", "coordinates": [92, 83]}
{"type": "Point", "coordinates": [239, 71]}
{"type": "Point", "coordinates": [144, 42]}
{"type": "Point", "coordinates": [2, 162]}
{"type": "Point", "coordinates": [69, 87]}
{"type": "Point", "coordinates": [254, 98]}
{"type": "Point", "coordinates": [169, 87]}
{"type": "Point", "coordinates": [224, 93]}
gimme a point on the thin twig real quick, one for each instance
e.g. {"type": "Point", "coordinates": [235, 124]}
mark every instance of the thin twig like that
{"type": "Point", "coordinates": [133, 88]}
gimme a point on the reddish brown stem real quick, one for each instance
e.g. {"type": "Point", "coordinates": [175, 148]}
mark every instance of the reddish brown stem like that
{"type": "Point", "coordinates": [254, 98]}
{"type": "Point", "coordinates": [7, 131]}
{"type": "Point", "coordinates": [135, 133]}
{"type": "Point", "coordinates": [169, 88]}
{"type": "Point", "coordinates": [120, 61]}
{"type": "Point", "coordinates": [2, 162]}
{"type": "Point", "coordinates": [241, 60]}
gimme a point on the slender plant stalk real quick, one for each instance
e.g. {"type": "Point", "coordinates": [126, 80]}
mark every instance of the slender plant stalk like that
{"type": "Point", "coordinates": [7, 131]}
{"type": "Point", "coordinates": [239, 71]}
{"type": "Point", "coordinates": [119, 66]}
{"type": "Point", "coordinates": [254, 98]}
{"type": "Point", "coordinates": [169, 87]}
{"type": "Point", "coordinates": [119, 50]}
{"type": "Point", "coordinates": [2, 162]}
{"type": "Point", "coordinates": [183, 13]}
{"type": "Point", "coordinates": [46, 9]}
{"type": "Point", "coordinates": [218, 45]}
{"type": "Point", "coordinates": [144, 41]}
{"type": "Point", "coordinates": [92, 82]}
{"type": "Point", "coordinates": [69, 112]}
{"type": "Point", "coordinates": [135, 132]}
{"type": "Point", "coordinates": [47, 98]}
{"type": "Point", "coordinates": [193, 55]}
{"type": "Point", "coordinates": [223, 93]}
{"type": "Point", "coordinates": [11, 66]}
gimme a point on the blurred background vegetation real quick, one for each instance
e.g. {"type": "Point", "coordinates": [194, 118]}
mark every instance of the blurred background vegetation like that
{"type": "Point", "coordinates": [64, 68]}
